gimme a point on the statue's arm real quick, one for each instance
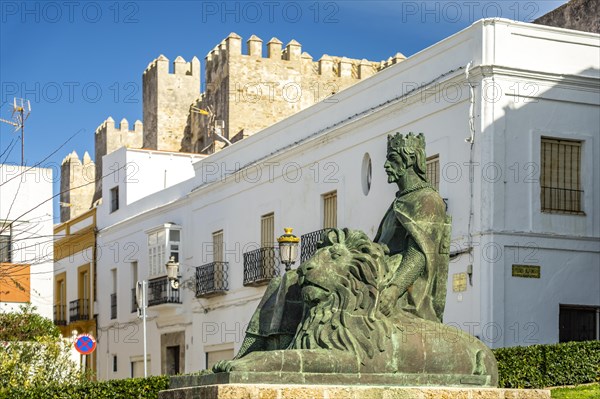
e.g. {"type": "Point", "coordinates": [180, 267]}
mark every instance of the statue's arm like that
{"type": "Point", "coordinates": [411, 267]}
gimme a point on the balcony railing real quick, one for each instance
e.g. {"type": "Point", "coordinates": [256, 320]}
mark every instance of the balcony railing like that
{"type": "Point", "coordinates": [113, 306]}
{"type": "Point", "coordinates": [79, 309]}
{"type": "Point", "coordinates": [160, 291]}
{"type": "Point", "coordinates": [134, 306]}
{"type": "Point", "coordinates": [212, 279]}
{"type": "Point", "coordinates": [308, 244]}
{"type": "Point", "coordinates": [60, 315]}
{"type": "Point", "coordinates": [260, 266]}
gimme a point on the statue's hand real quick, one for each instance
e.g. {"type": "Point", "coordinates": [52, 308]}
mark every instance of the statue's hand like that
{"type": "Point", "coordinates": [388, 299]}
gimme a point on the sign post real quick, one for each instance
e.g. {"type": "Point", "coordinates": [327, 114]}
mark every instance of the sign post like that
{"type": "Point", "coordinates": [85, 344]}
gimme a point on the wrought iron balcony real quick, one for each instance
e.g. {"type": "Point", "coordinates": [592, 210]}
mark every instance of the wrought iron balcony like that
{"type": "Point", "coordinates": [134, 306]}
{"type": "Point", "coordinates": [260, 266]}
{"type": "Point", "coordinates": [308, 244]}
{"type": "Point", "coordinates": [212, 279]}
{"type": "Point", "coordinates": [79, 309]}
{"type": "Point", "coordinates": [60, 315]}
{"type": "Point", "coordinates": [113, 306]}
{"type": "Point", "coordinates": [160, 291]}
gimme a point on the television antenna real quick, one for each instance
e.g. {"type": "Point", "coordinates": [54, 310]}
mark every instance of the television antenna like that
{"type": "Point", "coordinates": [20, 113]}
{"type": "Point", "coordinates": [216, 127]}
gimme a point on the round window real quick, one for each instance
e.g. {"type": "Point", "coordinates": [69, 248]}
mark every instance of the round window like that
{"type": "Point", "coordinates": [367, 173]}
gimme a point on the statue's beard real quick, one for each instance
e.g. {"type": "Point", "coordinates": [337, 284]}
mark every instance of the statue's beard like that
{"type": "Point", "coordinates": [396, 175]}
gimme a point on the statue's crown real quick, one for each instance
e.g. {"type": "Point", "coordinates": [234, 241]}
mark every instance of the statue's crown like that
{"type": "Point", "coordinates": [410, 141]}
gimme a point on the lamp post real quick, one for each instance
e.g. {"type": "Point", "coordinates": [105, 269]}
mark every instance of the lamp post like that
{"type": "Point", "coordinates": [141, 299]}
{"type": "Point", "coordinates": [172, 272]}
{"type": "Point", "coordinates": [288, 248]}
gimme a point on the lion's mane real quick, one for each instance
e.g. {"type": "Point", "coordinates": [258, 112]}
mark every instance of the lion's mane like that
{"type": "Point", "coordinates": [349, 319]}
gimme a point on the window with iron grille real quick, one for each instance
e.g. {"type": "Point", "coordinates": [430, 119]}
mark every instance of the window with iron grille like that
{"type": "Point", "coordinates": [114, 199]}
{"type": "Point", "coordinates": [433, 171]}
{"type": "Point", "coordinates": [330, 210]}
{"type": "Point", "coordinates": [5, 245]}
{"type": "Point", "coordinates": [560, 180]}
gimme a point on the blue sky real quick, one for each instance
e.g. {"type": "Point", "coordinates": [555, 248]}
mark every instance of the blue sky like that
{"type": "Point", "coordinates": [80, 61]}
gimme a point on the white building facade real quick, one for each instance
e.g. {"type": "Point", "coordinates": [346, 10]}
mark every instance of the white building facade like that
{"type": "Point", "coordinates": [510, 113]}
{"type": "Point", "coordinates": [26, 247]}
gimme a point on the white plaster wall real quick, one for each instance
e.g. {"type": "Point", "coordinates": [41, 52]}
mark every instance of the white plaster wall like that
{"type": "Point", "coordinates": [26, 201]}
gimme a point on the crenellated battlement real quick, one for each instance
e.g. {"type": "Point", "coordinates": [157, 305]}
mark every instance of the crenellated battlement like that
{"type": "Point", "coordinates": [73, 159]}
{"type": "Point", "coordinates": [230, 50]}
{"type": "Point", "coordinates": [109, 126]}
{"type": "Point", "coordinates": [77, 176]}
{"type": "Point", "coordinates": [160, 66]}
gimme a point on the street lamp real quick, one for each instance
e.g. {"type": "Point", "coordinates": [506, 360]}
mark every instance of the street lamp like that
{"type": "Point", "coordinates": [288, 248]}
{"type": "Point", "coordinates": [172, 272]}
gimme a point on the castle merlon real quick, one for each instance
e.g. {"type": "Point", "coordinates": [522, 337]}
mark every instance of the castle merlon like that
{"type": "Point", "coordinates": [180, 67]}
{"type": "Point", "coordinates": [109, 124]}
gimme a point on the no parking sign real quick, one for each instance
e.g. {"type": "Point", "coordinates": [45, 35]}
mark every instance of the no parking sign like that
{"type": "Point", "coordinates": [85, 344]}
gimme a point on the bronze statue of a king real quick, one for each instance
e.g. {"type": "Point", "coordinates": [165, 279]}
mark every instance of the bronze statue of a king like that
{"type": "Point", "coordinates": [369, 311]}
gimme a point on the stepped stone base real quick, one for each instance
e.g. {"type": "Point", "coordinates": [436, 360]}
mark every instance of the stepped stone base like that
{"type": "Point", "coordinates": [273, 391]}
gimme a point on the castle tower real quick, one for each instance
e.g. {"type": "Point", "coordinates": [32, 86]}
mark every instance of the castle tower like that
{"type": "Point", "coordinates": [167, 97]}
{"type": "Point", "coordinates": [109, 138]}
{"type": "Point", "coordinates": [250, 91]}
{"type": "Point", "coordinates": [76, 185]}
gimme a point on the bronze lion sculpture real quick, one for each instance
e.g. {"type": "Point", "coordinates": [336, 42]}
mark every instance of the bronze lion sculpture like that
{"type": "Point", "coordinates": [343, 329]}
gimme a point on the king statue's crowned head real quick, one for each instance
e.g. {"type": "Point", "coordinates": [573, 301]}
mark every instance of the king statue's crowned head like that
{"type": "Point", "coordinates": [411, 149]}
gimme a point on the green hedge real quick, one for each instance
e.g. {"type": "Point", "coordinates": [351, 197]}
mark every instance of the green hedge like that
{"type": "Point", "coordinates": [540, 366]}
{"type": "Point", "coordinates": [132, 388]}
{"type": "Point", "coordinates": [536, 366]}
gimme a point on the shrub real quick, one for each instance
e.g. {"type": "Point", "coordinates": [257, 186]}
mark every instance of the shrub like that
{"type": "Point", "coordinates": [132, 388]}
{"type": "Point", "coordinates": [540, 366]}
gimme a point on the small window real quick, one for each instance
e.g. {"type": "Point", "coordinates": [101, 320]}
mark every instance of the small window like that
{"type": "Point", "coordinates": [217, 246]}
{"type": "Point", "coordinates": [114, 199]}
{"type": "Point", "coordinates": [330, 210]}
{"type": "Point", "coordinates": [560, 180]}
{"type": "Point", "coordinates": [267, 230]}
{"type": "Point", "coordinates": [115, 363]}
{"type": "Point", "coordinates": [5, 247]}
{"type": "Point", "coordinates": [433, 171]}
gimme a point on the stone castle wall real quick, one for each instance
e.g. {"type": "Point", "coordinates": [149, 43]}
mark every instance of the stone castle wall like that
{"type": "Point", "coordinates": [252, 91]}
{"type": "Point", "coordinates": [76, 185]}
{"type": "Point", "coordinates": [166, 100]}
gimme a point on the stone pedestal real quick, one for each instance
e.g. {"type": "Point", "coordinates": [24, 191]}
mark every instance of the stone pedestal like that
{"type": "Point", "coordinates": [274, 391]}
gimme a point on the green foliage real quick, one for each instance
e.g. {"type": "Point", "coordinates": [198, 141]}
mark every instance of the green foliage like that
{"type": "Point", "coordinates": [540, 366]}
{"type": "Point", "coordinates": [582, 392]}
{"type": "Point", "coordinates": [132, 388]}
{"type": "Point", "coordinates": [32, 353]}
{"type": "Point", "coordinates": [26, 325]}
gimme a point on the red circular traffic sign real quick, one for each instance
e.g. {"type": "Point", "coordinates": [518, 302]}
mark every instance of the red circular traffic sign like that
{"type": "Point", "coordinates": [85, 344]}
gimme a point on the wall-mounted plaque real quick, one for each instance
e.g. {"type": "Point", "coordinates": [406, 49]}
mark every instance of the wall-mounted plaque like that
{"type": "Point", "coordinates": [527, 271]}
{"type": "Point", "coordinates": [459, 282]}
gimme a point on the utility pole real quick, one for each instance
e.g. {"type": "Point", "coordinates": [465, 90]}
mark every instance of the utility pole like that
{"type": "Point", "coordinates": [19, 115]}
